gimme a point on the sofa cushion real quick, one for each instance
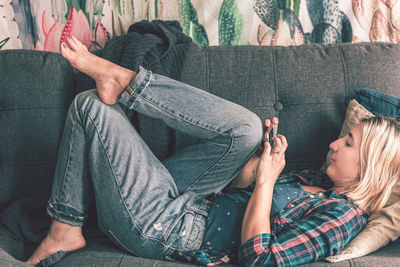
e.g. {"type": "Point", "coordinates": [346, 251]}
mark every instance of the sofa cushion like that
{"type": "Point", "coordinates": [35, 92]}
{"type": "Point", "coordinates": [379, 103]}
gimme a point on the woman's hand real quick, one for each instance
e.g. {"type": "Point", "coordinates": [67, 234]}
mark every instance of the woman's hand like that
{"type": "Point", "coordinates": [272, 160]}
{"type": "Point", "coordinates": [256, 219]}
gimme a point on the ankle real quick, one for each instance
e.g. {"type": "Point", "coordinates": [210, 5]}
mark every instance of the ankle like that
{"type": "Point", "coordinates": [59, 229]}
{"type": "Point", "coordinates": [124, 77]}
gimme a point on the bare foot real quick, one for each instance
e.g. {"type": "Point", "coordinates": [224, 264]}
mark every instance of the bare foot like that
{"type": "Point", "coordinates": [60, 237]}
{"type": "Point", "coordinates": [110, 78]}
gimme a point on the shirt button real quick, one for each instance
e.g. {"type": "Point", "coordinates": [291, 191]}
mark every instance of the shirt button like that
{"type": "Point", "coordinates": [291, 206]}
{"type": "Point", "coordinates": [312, 196]}
{"type": "Point", "coordinates": [320, 194]}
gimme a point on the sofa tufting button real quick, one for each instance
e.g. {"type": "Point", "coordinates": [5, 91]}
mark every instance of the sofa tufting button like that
{"type": "Point", "coordinates": [278, 106]}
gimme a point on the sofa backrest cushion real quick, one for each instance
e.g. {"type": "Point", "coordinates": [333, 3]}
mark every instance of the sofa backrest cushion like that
{"type": "Point", "coordinates": [35, 92]}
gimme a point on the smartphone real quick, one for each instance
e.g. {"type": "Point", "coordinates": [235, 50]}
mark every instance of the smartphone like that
{"type": "Point", "coordinates": [271, 134]}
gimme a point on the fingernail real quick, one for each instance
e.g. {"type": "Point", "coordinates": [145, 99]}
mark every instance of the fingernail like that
{"type": "Point", "coordinates": [64, 45]}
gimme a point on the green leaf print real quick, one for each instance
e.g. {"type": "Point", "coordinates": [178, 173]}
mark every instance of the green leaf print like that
{"type": "Point", "coordinates": [78, 4]}
{"type": "Point", "coordinates": [188, 16]}
{"type": "Point", "coordinates": [117, 5]}
{"type": "Point", "coordinates": [155, 8]}
{"type": "Point", "coordinates": [184, 15]}
{"type": "Point", "coordinates": [296, 7]}
{"type": "Point", "coordinates": [3, 42]}
{"type": "Point", "coordinates": [94, 10]}
{"type": "Point", "coordinates": [230, 24]}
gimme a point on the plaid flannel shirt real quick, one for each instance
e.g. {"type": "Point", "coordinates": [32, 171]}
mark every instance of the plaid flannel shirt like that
{"type": "Point", "coordinates": [309, 229]}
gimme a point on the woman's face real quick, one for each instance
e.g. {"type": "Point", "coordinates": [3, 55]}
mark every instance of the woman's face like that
{"type": "Point", "coordinates": [344, 166]}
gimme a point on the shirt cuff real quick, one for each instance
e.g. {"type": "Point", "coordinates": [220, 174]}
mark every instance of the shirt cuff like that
{"type": "Point", "coordinates": [252, 248]}
{"type": "Point", "coordinates": [135, 87]}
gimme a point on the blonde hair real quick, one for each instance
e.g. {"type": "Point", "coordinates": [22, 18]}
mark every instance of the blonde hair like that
{"type": "Point", "coordinates": [379, 164]}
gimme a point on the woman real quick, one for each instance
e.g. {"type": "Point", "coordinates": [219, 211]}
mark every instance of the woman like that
{"type": "Point", "coordinates": [169, 210]}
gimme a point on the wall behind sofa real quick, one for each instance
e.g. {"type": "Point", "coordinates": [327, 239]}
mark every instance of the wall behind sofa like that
{"type": "Point", "coordinates": [42, 24]}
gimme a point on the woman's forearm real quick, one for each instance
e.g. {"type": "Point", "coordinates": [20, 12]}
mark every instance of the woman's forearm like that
{"type": "Point", "coordinates": [256, 219]}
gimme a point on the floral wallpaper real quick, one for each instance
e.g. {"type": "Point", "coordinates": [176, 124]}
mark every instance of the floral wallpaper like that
{"type": "Point", "coordinates": [43, 24]}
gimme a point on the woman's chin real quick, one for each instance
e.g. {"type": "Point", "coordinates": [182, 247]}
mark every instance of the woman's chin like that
{"type": "Point", "coordinates": [329, 170]}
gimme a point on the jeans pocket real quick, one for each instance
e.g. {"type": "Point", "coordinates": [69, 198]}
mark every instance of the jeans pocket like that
{"type": "Point", "coordinates": [186, 231]}
{"type": "Point", "coordinates": [111, 236]}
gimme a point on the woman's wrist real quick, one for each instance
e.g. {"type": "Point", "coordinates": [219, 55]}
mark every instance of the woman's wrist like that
{"type": "Point", "coordinates": [265, 181]}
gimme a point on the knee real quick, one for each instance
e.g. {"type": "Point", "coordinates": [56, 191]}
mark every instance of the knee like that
{"type": "Point", "coordinates": [251, 132]}
{"type": "Point", "coordinates": [85, 100]}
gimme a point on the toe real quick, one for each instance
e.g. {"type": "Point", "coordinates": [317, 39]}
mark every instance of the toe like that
{"type": "Point", "coordinates": [72, 44]}
{"type": "Point", "coordinates": [65, 51]}
{"type": "Point", "coordinates": [78, 46]}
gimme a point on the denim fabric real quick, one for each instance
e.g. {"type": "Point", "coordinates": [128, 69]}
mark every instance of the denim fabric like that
{"type": "Point", "coordinates": [147, 207]}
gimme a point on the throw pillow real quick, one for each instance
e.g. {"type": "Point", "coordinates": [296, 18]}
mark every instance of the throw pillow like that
{"type": "Point", "coordinates": [382, 226]}
{"type": "Point", "coordinates": [379, 103]}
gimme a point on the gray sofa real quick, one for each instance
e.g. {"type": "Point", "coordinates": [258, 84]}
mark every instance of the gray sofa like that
{"type": "Point", "coordinates": [307, 87]}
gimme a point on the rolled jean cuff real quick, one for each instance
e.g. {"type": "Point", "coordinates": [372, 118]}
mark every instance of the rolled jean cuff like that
{"type": "Point", "coordinates": [65, 214]}
{"type": "Point", "coordinates": [135, 87]}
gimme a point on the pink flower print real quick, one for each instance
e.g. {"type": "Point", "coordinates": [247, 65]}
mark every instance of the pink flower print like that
{"type": "Point", "coordinates": [76, 25]}
{"type": "Point", "coordinates": [100, 36]}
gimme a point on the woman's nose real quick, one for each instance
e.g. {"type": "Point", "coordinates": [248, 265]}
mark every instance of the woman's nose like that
{"type": "Point", "coordinates": [333, 146]}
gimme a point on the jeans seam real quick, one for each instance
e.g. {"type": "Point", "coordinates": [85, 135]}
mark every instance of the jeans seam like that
{"type": "Point", "coordinates": [110, 163]}
{"type": "Point", "coordinates": [119, 190]}
{"type": "Point", "coordinates": [196, 216]}
{"type": "Point", "coordinates": [70, 152]}
{"type": "Point", "coordinates": [215, 164]}
{"type": "Point", "coordinates": [58, 213]}
{"type": "Point", "coordinates": [56, 202]}
{"type": "Point", "coordinates": [181, 118]}
{"type": "Point", "coordinates": [137, 90]}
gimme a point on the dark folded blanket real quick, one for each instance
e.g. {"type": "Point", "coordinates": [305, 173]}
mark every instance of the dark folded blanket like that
{"type": "Point", "coordinates": [159, 46]}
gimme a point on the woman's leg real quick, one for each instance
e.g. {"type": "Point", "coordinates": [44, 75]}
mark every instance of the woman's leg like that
{"type": "Point", "coordinates": [228, 133]}
{"type": "Point", "coordinates": [131, 187]}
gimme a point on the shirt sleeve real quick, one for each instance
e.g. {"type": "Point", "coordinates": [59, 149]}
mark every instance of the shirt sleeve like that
{"type": "Point", "coordinates": [324, 231]}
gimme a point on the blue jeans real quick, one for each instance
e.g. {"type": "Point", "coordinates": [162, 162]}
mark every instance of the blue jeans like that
{"type": "Point", "coordinates": [149, 208]}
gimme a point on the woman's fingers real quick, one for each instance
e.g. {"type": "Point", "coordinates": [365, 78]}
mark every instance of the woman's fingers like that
{"type": "Point", "coordinates": [280, 144]}
{"type": "Point", "coordinates": [268, 128]}
{"type": "Point", "coordinates": [270, 125]}
{"type": "Point", "coordinates": [267, 148]}
{"type": "Point", "coordinates": [283, 141]}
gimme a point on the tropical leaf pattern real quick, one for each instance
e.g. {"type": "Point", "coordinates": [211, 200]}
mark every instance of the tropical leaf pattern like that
{"type": "Point", "coordinates": [42, 25]}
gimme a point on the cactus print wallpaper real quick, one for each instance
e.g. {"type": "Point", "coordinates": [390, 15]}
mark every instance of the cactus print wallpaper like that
{"type": "Point", "coordinates": [43, 24]}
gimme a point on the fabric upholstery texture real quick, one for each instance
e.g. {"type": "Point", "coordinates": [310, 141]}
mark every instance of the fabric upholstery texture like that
{"type": "Point", "coordinates": [35, 92]}
{"type": "Point", "coordinates": [379, 103]}
{"type": "Point", "coordinates": [307, 87]}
